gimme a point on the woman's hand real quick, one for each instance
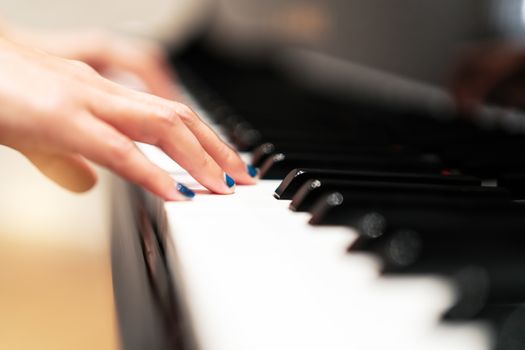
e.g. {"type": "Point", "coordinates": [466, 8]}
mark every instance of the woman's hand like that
{"type": "Point", "coordinates": [59, 110]}
{"type": "Point", "coordinates": [105, 51]}
{"type": "Point", "coordinates": [492, 73]}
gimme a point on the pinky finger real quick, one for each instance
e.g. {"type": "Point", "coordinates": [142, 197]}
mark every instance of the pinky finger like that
{"type": "Point", "coordinates": [103, 144]}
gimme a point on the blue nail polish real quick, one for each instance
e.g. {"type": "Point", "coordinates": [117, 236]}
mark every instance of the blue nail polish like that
{"type": "Point", "coordinates": [229, 181]}
{"type": "Point", "coordinates": [185, 191]}
{"type": "Point", "coordinates": [251, 170]}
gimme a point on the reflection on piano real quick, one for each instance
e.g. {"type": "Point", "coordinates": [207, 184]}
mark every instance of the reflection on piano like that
{"type": "Point", "coordinates": [375, 226]}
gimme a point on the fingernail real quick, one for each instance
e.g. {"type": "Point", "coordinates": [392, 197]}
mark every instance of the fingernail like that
{"type": "Point", "coordinates": [185, 191]}
{"type": "Point", "coordinates": [251, 170]}
{"type": "Point", "coordinates": [229, 181]}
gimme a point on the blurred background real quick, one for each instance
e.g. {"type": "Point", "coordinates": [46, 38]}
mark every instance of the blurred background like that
{"type": "Point", "coordinates": [55, 276]}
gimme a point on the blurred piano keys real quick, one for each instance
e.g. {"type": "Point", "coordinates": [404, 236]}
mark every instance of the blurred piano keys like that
{"type": "Point", "coordinates": [427, 257]}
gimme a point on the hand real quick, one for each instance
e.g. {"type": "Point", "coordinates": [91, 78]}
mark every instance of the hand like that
{"type": "Point", "coordinates": [105, 51]}
{"type": "Point", "coordinates": [62, 110]}
{"type": "Point", "coordinates": [492, 73]}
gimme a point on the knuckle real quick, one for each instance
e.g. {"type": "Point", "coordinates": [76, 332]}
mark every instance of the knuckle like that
{"type": "Point", "coordinates": [83, 67]}
{"type": "Point", "coordinates": [168, 117]}
{"type": "Point", "coordinates": [55, 106]}
{"type": "Point", "coordinates": [55, 103]}
{"type": "Point", "coordinates": [120, 151]}
{"type": "Point", "coordinates": [187, 115]}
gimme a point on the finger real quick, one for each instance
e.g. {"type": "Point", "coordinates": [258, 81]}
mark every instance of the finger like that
{"type": "Point", "coordinates": [104, 145]}
{"type": "Point", "coordinates": [149, 66]}
{"type": "Point", "coordinates": [70, 171]}
{"type": "Point", "coordinates": [160, 125]}
{"type": "Point", "coordinates": [88, 75]}
{"type": "Point", "coordinates": [227, 158]}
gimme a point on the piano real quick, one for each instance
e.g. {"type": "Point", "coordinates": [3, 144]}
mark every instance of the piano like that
{"type": "Point", "coordinates": [383, 220]}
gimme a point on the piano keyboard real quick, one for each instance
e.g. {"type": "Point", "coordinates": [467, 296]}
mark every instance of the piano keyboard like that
{"type": "Point", "coordinates": [254, 275]}
{"type": "Point", "coordinates": [363, 233]}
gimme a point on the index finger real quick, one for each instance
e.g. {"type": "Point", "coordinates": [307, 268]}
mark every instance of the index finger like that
{"type": "Point", "coordinates": [226, 157]}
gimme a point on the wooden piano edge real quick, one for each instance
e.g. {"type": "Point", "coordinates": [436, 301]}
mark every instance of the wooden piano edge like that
{"type": "Point", "coordinates": [149, 313]}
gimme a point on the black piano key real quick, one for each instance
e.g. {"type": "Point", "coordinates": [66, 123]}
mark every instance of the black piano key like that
{"type": "Point", "coordinates": [494, 224]}
{"type": "Point", "coordinates": [297, 177]}
{"type": "Point", "coordinates": [487, 270]}
{"type": "Point", "coordinates": [483, 289]}
{"type": "Point", "coordinates": [366, 214]}
{"type": "Point", "coordinates": [484, 273]}
{"type": "Point", "coordinates": [501, 260]}
{"type": "Point", "coordinates": [279, 165]}
{"type": "Point", "coordinates": [493, 166]}
{"type": "Point", "coordinates": [374, 192]}
{"type": "Point", "coordinates": [247, 91]}
{"type": "Point", "coordinates": [496, 156]}
{"type": "Point", "coordinates": [293, 119]}
{"type": "Point", "coordinates": [375, 220]}
{"type": "Point", "coordinates": [263, 152]}
{"type": "Point", "coordinates": [508, 320]}
{"type": "Point", "coordinates": [245, 137]}
{"type": "Point", "coordinates": [268, 149]}
{"type": "Point", "coordinates": [240, 136]}
{"type": "Point", "coordinates": [435, 236]}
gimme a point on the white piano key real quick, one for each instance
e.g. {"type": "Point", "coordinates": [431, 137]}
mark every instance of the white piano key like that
{"type": "Point", "coordinates": [254, 275]}
{"type": "Point", "coordinates": [257, 276]}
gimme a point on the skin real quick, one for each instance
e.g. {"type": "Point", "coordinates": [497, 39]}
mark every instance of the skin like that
{"type": "Point", "coordinates": [493, 73]}
{"type": "Point", "coordinates": [60, 112]}
{"type": "Point", "coordinates": [105, 51]}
